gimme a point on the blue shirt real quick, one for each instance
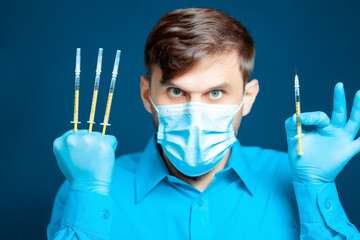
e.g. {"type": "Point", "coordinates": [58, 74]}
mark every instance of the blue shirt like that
{"type": "Point", "coordinates": [253, 197]}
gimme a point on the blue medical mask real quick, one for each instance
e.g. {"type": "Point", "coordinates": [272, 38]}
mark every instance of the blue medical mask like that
{"type": "Point", "coordinates": [196, 136]}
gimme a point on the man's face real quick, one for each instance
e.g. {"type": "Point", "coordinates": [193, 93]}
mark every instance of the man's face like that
{"type": "Point", "coordinates": [215, 80]}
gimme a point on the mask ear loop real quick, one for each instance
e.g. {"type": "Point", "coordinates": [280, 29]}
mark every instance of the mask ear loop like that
{"type": "Point", "coordinates": [243, 100]}
{"type": "Point", "coordinates": [152, 103]}
{"type": "Point", "coordinates": [160, 127]}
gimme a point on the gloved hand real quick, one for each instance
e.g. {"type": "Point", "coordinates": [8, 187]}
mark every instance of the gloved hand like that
{"type": "Point", "coordinates": [86, 159]}
{"type": "Point", "coordinates": [328, 148]}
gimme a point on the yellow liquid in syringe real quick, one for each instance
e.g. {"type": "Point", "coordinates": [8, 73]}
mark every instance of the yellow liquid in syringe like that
{"type": "Point", "coordinates": [93, 107]}
{"type": "Point", "coordinates": [107, 112]}
{"type": "Point", "coordinates": [76, 110]}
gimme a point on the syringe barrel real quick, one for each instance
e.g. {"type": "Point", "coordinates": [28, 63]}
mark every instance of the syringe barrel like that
{"type": "Point", "coordinates": [108, 108]}
{"type": "Point", "coordinates": [112, 85]}
{"type": "Point", "coordinates": [297, 94]}
{"type": "Point", "coordinates": [77, 82]}
{"type": "Point", "coordinates": [97, 82]}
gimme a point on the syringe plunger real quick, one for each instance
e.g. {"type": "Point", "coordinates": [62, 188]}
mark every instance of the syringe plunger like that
{"type": "Point", "coordinates": [78, 57]}
{"type": "Point", "coordinates": [99, 61]}
{"type": "Point", "coordinates": [116, 64]}
{"type": "Point", "coordinates": [296, 81]}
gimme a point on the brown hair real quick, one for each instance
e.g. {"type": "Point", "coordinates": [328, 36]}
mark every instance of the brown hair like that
{"type": "Point", "coordinates": [182, 37]}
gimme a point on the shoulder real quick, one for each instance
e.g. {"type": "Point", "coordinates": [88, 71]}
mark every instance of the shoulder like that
{"type": "Point", "coordinates": [260, 159]}
{"type": "Point", "coordinates": [128, 162]}
{"type": "Point", "coordinates": [264, 152]}
{"type": "Point", "coordinates": [269, 166]}
{"type": "Point", "coordinates": [125, 169]}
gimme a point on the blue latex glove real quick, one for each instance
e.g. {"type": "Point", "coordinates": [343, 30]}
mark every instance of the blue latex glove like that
{"type": "Point", "coordinates": [86, 159]}
{"type": "Point", "coordinates": [328, 148]}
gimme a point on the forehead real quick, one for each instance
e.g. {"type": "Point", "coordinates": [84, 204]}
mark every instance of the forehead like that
{"type": "Point", "coordinates": [209, 71]}
{"type": "Point", "coordinates": [226, 59]}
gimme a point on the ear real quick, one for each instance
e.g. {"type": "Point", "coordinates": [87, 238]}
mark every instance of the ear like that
{"type": "Point", "coordinates": [144, 92]}
{"type": "Point", "coordinates": [252, 89]}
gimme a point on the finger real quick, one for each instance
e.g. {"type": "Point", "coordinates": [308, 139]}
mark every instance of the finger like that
{"type": "Point", "coordinates": [353, 125]}
{"type": "Point", "coordinates": [71, 140]}
{"type": "Point", "coordinates": [82, 131]}
{"type": "Point", "coordinates": [291, 126]}
{"type": "Point", "coordinates": [338, 116]}
{"type": "Point", "coordinates": [115, 144]}
{"type": "Point", "coordinates": [318, 118]}
{"type": "Point", "coordinates": [96, 133]}
{"type": "Point", "coordinates": [87, 133]}
{"type": "Point", "coordinates": [111, 140]}
{"type": "Point", "coordinates": [67, 133]}
{"type": "Point", "coordinates": [58, 142]}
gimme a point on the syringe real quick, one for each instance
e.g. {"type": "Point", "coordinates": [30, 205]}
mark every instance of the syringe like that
{"type": "Point", "coordinates": [96, 88]}
{"type": "Point", "coordinates": [297, 102]}
{"type": "Point", "coordinates": [77, 89]}
{"type": "Point", "coordinates": [111, 91]}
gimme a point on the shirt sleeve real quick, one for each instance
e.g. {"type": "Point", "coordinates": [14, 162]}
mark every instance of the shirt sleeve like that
{"type": "Point", "coordinates": [79, 214]}
{"type": "Point", "coordinates": [321, 213]}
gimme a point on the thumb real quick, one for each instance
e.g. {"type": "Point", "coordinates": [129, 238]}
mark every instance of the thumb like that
{"type": "Point", "coordinates": [291, 126]}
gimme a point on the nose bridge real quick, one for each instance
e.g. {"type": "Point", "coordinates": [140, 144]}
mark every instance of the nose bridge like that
{"type": "Point", "coordinates": [197, 120]}
{"type": "Point", "coordinates": [195, 97]}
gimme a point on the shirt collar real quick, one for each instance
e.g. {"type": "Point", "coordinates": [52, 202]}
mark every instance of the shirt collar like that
{"type": "Point", "coordinates": [150, 171]}
{"type": "Point", "coordinates": [152, 168]}
{"type": "Point", "coordinates": [239, 161]}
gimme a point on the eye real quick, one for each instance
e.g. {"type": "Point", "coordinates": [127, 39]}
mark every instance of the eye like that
{"type": "Point", "coordinates": [176, 92]}
{"type": "Point", "coordinates": [216, 94]}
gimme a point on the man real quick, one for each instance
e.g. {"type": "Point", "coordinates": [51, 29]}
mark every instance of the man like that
{"type": "Point", "coordinates": [194, 180]}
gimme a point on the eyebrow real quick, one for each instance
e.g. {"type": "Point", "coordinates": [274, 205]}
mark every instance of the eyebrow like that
{"type": "Point", "coordinates": [224, 86]}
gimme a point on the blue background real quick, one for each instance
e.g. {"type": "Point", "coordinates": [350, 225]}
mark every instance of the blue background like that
{"type": "Point", "coordinates": [38, 40]}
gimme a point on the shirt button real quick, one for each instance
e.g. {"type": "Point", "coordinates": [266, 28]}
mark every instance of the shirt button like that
{"type": "Point", "coordinates": [327, 204]}
{"type": "Point", "coordinates": [200, 202]}
{"type": "Point", "coordinates": [105, 214]}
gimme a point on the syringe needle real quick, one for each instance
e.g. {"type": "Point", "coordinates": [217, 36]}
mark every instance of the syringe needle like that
{"type": "Point", "coordinates": [297, 101]}
{"type": "Point", "coordinates": [111, 91]}
{"type": "Point", "coordinates": [96, 88]}
{"type": "Point", "coordinates": [77, 89]}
